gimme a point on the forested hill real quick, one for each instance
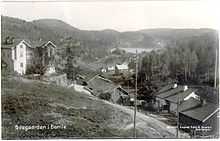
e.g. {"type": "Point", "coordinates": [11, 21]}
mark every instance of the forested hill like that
{"type": "Point", "coordinates": [57, 31]}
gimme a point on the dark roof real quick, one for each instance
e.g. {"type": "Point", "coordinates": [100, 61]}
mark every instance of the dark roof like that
{"type": "Point", "coordinates": [123, 90]}
{"type": "Point", "coordinates": [29, 43]}
{"type": "Point", "coordinates": [171, 92]}
{"type": "Point", "coordinates": [99, 85]}
{"type": "Point", "coordinates": [39, 43]}
{"type": "Point", "coordinates": [165, 88]}
{"type": "Point", "coordinates": [194, 109]}
{"type": "Point", "coordinates": [49, 42]}
{"type": "Point", "coordinates": [87, 74]}
{"type": "Point", "coordinates": [180, 96]}
{"type": "Point", "coordinates": [16, 42]}
{"type": "Point", "coordinates": [189, 104]}
{"type": "Point", "coordinates": [26, 41]}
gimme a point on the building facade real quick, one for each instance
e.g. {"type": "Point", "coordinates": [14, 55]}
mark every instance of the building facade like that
{"type": "Point", "coordinates": [21, 55]}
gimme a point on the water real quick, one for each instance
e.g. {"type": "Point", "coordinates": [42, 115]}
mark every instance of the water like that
{"type": "Point", "coordinates": [139, 50]}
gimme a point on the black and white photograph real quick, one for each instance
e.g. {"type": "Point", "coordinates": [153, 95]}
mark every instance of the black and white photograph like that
{"type": "Point", "coordinates": [109, 69]}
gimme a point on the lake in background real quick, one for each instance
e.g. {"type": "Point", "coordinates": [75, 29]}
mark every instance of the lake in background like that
{"type": "Point", "coordinates": [139, 50]}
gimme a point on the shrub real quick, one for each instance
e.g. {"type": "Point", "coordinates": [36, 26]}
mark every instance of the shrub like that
{"type": "Point", "coordinates": [37, 69]}
{"type": "Point", "coordinates": [105, 96]}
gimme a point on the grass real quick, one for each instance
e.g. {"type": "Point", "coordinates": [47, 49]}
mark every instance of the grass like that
{"type": "Point", "coordinates": [34, 103]}
{"type": "Point", "coordinates": [30, 102]}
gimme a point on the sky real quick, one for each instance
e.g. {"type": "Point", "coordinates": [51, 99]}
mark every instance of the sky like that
{"type": "Point", "coordinates": [120, 15]}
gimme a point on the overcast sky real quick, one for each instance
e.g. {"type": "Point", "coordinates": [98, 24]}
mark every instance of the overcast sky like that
{"type": "Point", "coordinates": [121, 16]}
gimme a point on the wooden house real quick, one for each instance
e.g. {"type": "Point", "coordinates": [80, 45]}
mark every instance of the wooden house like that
{"type": "Point", "coordinates": [168, 100]}
{"type": "Point", "coordinates": [17, 55]}
{"type": "Point", "coordinates": [99, 85]}
{"type": "Point", "coordinates": [20, 55]}
{"type": "Point", "coordinates": [199, 117]}
{"type": "Point", "coordinates": [162, 102]}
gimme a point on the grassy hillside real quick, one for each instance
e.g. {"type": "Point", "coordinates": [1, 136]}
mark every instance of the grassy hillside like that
{"type": "Point", "coordinates": [31, 103]}
{"type": "Point", "coordinates": [34, 103]}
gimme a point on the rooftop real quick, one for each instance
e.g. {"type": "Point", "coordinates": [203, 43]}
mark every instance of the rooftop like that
{"type": "Point", "coordinates": [16, 42]}
{"type": "Point", "coordinates": [123, 66]}
{"type": "Point", "coordinates": [165, 88]}
{"type": "Point", "coordinates": [189, 104]}
{"type": "Point", "coordinates": [180, 96]}
{"type": "Point", "coordinates": [170, 92]}
{"type": "Point", "coordinates": [194, 109]}
{"type": "Point", "coordinates": [29, 43]}
{"type": "Point", "coordinates": [99, 84]}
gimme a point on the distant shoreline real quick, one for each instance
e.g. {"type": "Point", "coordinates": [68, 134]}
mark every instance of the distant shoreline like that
{"type": "Point", "coordinates": [139, 50]}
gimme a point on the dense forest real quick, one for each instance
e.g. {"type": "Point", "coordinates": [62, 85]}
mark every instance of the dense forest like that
{"type": "Point", "coordinates": [189, 60]}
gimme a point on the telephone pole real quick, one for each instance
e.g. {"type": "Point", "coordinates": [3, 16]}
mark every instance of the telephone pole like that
{"type": "Point", "coordinates": [177, 123]}
{"type": "Point", "coordinates": [216, 67]}
{"type": "Point", "coordinates": [135, 95]}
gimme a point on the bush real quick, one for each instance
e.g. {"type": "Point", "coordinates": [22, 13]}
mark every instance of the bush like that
{"type": "Point", "coordinates": [105, 96]}
{"type": "Point", "coordinates": [37, 69]}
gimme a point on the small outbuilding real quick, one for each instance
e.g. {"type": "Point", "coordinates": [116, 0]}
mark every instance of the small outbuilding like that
{"type": "Point", "coordinates": [100, 86]}
{"type": "Point", "coordinates": [199, 117]}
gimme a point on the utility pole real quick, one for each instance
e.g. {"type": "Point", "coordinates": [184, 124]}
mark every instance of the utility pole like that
{"type": "Point", "coordinates": [135, 95]}
{"type": "Point", "coordinates": [177, 123]}
{"type": "Point", "coordinates": [216, 68]}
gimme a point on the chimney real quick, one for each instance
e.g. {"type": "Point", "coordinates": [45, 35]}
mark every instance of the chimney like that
{"type": "Point", "coordinates": [203, 102]}
{"type": "Point", "coordinates": [174, 86]}
{"type": "Point", "coordinates": [185, 88]}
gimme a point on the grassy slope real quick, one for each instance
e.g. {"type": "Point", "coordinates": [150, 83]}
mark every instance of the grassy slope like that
{"type": "Point", "coordinates": [40, 104]}
{"type": "Point", "coordinates": [34, 103]}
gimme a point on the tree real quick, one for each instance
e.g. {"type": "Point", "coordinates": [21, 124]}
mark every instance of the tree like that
{"type": "Point", "coordinates": [8, 40]}
{"type": "Point", "coordinates": [118, 51]}
{"type": "Point", "coordinates": [164, 71]}
{"type": "Point", "coordinates": [36, 69]}
{"type": "Point", "coordinates": [71, 53]}
{"type": "Point", "coordinates": [193, 62]}
{"type": "Point", "coordinates": [131, 64]}
{"type": "Point", "coordinates": [105, 96]}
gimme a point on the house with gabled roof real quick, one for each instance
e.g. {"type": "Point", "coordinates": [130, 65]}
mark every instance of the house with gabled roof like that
{"type": "Point", "coordinates": [197, 114]}
{"type": "Point", "coordinates": [17, 55]}
{"type": "Point", "coordinates": [122, 67]}
{"type": "Point", "coordinates": [200, 117]}
{"type": "Point", "coordinates": [44, 52]}
{"type": "Point", "coordinates": [21, 54]}
{"type": "Point", "coordinates": [99, 85]}
{"type": "Point", "coordinates": [170, 96]}
{"type": "Point", "coordinates": [176, 99]}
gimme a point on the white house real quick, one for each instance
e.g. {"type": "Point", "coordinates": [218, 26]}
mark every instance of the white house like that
{"type": "Point", "coordinates": [122, 67]}
{"type": "Point", "coordinates": [21, 54]}
{"type": "Point", "coordinates": [111, 68]}
{"type": "Point", "coordinates": [16, 55]}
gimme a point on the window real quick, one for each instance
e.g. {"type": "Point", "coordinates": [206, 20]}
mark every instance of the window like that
{"type": "Point", "coordinates": [21, 54]}
{"type": "Point", "coordinates": [3, 54]}
{"type": "Point", "coordinates": [30, 54]}
{"type": "Point", "coordinates": [48, 51]}
{"type": "Point", "coordinates": [21, 65]}
{"type": "Point", "coordinates": [21, 46]}
{"type": "Point", "coordinates": [51, 51]}
{"type": "Point", "coordinates": [15, 51]}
